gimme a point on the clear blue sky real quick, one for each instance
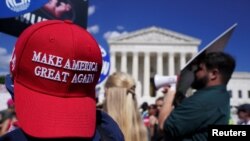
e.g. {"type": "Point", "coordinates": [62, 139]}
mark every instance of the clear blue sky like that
{"type": "Point", "coordinates": [202, 19]}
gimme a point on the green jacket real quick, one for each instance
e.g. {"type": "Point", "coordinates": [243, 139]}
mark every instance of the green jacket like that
{"type": "Point", "coordinates": [189, 121]}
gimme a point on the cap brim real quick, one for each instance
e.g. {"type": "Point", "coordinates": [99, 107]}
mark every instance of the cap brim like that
{"type": "Point", "coordinates": [45, 116]}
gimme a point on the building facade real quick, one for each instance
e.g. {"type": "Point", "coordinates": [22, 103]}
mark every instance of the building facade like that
{"type": "Point", "coordinates": [150, 51]}
{"type": "Point", "coordinates": [239, 88]}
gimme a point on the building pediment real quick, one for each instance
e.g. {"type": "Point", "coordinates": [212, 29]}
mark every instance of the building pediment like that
{"type": "Point", "coordinates": [154, 35]}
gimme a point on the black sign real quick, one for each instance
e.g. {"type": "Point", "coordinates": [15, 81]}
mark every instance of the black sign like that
{"type": "Point", "coordinates": [186, 76]}
{"type": "Point", "coordinates": [74, 10]}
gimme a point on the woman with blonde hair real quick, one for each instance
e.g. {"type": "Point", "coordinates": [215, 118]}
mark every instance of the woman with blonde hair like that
{"type": "Point", "coordinates": [121, 104]}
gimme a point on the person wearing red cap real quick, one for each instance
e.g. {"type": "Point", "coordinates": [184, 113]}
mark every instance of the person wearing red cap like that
{"type": "Point", "coordinates": [55, 67]}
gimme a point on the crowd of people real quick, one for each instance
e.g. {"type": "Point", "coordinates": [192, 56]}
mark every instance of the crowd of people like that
{"type": "Point", "coordinates": [54, 78]}
{"type": "Point", "coordinates": [7, 117]}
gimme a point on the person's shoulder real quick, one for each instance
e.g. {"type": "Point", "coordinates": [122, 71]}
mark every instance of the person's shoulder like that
{"type": "Point", "coordinates": [14, 135]}
{"type": "Point", "coordinates": [106, 121]}
{"type": "Point", "coordinates": [194, 101]}
{"type": "Point", "coordinates": [108, 128]}
{"type": "Point", "coordinates": [104, 118]}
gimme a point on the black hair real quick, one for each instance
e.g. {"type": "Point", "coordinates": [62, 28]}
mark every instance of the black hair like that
{"type": "Point", "coordinates": [243, 108]}
{"type": "Point", "coordinates": [144, 106]}
{"type": "Point", "coordinates": [222, 61]}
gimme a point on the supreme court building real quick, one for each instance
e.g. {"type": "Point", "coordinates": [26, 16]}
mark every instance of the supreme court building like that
{"type": "Point", "coordinates": [146, 52]}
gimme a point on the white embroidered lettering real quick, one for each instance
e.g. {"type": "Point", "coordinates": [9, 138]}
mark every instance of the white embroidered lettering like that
{"type": "Point", "coordinates": [51, 60]}
{"type": "Point", "coordinates": [83, 78]}
{"type": "Point", "coordinates": [80, 65]}
{"type": "Point", "coordinates": [36, 57]}
{"type": "Point", "coordinates": [59, 74]}
{"type": "Point", "coordinates": [65, 75]}
{"type": "Point", "coordinates": [44, 59]}
{"type": "Point", "coordinates": [51, 74]}
{"type": "Point", "coordinates": [67, 64]}
{"type": "Point", "coordinates": [59, 61]}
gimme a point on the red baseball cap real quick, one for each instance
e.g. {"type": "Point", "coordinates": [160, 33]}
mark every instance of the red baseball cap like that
{"type": "Point", "coordinates": [56, 66]}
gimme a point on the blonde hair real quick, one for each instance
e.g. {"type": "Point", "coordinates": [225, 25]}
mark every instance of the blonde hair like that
{"type": "Point", "coordinates": [121, 105]}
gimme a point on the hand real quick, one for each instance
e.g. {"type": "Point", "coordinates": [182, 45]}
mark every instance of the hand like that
{"type": "Point", "coordinates": [153, 120]}
{"type": "Point", "coordinates": [168, 90]}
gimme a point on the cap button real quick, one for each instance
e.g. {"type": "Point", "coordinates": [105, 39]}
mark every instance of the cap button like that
{"type": "Point", "coordinates": [68, 21]}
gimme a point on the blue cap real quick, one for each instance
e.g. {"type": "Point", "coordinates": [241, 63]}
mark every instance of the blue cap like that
{"type": "Point", "coordinates": [9, 85]}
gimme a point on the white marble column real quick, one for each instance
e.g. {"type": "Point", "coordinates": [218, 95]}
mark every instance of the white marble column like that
{"type": "Point", "coordinates": [171, 66]}
{"type": "Point", "coordinates": [124, 62]}
{"type": "Point", "coordinates": [146, 76]}
{"type": "Point", "coordinates": [113, 63]}
{"type": "Point", "coordinates": [182, 60]}
{"type": "Point", "coordinates": [159, 63]}
{"type": "Point", "coordinates": [135, 66]}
